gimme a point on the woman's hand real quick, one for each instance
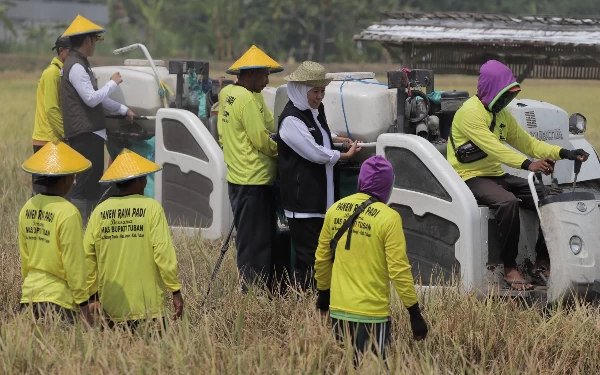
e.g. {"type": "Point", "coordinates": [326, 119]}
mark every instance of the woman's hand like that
{"type": "Point", "coordinates": [354, 149]}
{"type": "Point", "coordinates": [346, 142]}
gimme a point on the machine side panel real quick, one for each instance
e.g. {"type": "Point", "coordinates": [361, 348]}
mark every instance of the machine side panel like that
{"type": "Point", "coordinates": [177, 138]}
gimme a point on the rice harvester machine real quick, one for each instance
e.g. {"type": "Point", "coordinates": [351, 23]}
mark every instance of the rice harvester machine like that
{"type": "Point", "coordinates": [449, 235]}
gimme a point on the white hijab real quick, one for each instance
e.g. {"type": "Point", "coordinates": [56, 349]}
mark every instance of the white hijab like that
{"type": "Point", "coordinates": [298, 95]}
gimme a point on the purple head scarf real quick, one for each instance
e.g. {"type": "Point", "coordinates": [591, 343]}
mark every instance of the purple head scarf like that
{"type": "Point", "coordinates": [376, 177]}
{"type": "Point", "coordinates": [495, 79]}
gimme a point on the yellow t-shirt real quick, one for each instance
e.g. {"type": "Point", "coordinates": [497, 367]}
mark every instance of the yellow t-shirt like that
{"type": "Point", "coordinates": [359, 277]}
{"type": "Point", "coordinates": [472, 122]}
{"type": "Point", "coordinates": [52, 255]}
{"type": "Point", "coordinates": [48, 115]}
{"type": "Point", "coordinates": [244, 126]}
{"type": "Point", "coordinates": [130, 257]}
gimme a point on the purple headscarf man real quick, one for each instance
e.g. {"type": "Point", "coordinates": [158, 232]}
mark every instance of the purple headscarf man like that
{"type": "Point", "coordinates": [483, 122]}
{"type": "Point", "coordinates": [376, 177]}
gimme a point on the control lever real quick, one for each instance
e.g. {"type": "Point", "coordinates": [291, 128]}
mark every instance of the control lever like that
{"type": "Point", "coordinates": [577, 168]}
{"type": "Point", "coordinates": [539, 177]}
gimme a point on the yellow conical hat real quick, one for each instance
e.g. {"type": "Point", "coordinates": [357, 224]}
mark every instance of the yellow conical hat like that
{"type": "Point", "coordinates": [82, 25]}
{"type": "Point", "coordinates": [128, 165]}
{"type": "Point", "coordinates": [254, 58]}
{"type": "Point", "coordinates": [56, 158]}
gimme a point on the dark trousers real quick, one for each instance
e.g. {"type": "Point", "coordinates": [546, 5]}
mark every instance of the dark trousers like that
{"type": "Point", "coordinates": [506, 194]}
{"type": "Point", "coordinates": [361, 334]}
{"type": "Point", "coordinates": [35, 187]}
{"type": "Point", "coordinates": [87, 191]}
{"type": "Point", "coordinates": [132, 325]}
{"type": "Point", "coordinates": [44, 309]}
{"type": "Point", "coordinates": [305, 238]}
{"type": "Point", "coordinates": [255, 221]}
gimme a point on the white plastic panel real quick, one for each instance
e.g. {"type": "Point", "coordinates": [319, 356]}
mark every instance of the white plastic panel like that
{"type": "Point", "coordinates": [197, 170]}
{"type": "Point", "coordinates": [462, 210]}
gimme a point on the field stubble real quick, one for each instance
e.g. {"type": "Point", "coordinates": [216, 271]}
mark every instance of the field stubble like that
{"type": "Point", "coordinates": [238, 335]}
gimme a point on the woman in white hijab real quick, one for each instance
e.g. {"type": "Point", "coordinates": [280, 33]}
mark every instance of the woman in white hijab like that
{"type": "Point", "coordinates": [305, 162]}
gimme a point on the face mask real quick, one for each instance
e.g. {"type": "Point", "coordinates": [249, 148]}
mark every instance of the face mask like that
{"type": "Point", "coordinates": [503, 101]}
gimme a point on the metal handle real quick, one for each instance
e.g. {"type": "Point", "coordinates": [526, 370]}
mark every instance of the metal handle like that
{"type": "Point", "coordinates": [359, 144]}
{"type": "Point", "coordinates": [150, 118]}
{"type": "Point", "coordinates": [534, 193]}
{"type": "Point", "coordinates": [577, 166]}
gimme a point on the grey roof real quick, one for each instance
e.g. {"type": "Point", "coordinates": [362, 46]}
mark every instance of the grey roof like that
{"type": "Point", "coordinates": [476, 28]}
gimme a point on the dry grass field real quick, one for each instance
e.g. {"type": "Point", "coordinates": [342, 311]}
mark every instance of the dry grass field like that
{"type": "Point", "coordinates": [255, 335]}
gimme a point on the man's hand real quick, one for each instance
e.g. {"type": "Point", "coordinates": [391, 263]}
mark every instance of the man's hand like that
{"type": "Point", "coordinates": [130, 115]}
{"type": "Point", "coordinates": [417, 323]}
{"type": "Point", "coordinates": [578, 154]}
{"type": "Point", "coordinates": [323, 301]}
{"type": "Point", "coordinates": [546, 166]}
{"type": "Point", "coordinates": [178, 304]}
{"type": "Point", "coordinates": [117, 78]}
{"type": "Point", "coordinates": [354, 149]}
{"type": "Point", "coordinates": [87, 315]}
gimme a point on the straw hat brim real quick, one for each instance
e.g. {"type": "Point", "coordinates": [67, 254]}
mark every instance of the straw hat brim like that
{"type": "Point", "coordinates": [312, 83]}
{"type": "Point", "coordinates": [115, 180]}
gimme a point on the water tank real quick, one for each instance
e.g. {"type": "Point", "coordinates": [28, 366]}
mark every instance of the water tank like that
{"type": "Point", "coordinates": [139, 89]}
{"type": "Point", "coordinates": [370, 106]}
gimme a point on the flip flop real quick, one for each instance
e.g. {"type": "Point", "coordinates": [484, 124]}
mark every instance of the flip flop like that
{"type": "Point", "coordinates": [540, 274]}
{"type": "Point", "coordinates": [519, 282]}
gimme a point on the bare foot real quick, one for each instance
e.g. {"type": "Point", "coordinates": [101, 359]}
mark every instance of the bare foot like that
{"type": "Point", "coordinates": [514, 278]}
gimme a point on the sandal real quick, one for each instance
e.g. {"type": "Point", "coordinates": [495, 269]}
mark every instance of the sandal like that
{"type": "Point", "coordinates": [540, 274]}
{"type": "Point", "coordinates": [519, 282]}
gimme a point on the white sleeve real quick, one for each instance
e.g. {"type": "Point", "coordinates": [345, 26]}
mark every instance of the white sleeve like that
{"type": "Point", "coordinates": [296, 135]}
{"type": "Point", "coordinates": [114, 107]}
{"type": "Point", "coordinates": [80, 80]}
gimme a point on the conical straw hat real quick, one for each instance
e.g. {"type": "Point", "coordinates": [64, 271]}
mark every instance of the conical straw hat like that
{"type": "Point", "coordinates": [128, 165]}
{"type": "Point", "coordinates": [82, 25]}
{"type": "Point", "coordinates": [311, 74]}
{"type": "Point", "coordinates": [56, 158]}
{"type": "Point", "coordinates": [254, 58]}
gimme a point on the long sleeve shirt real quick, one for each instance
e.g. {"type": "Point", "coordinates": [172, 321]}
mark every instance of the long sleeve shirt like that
{"type": "Point", "coordinates": [359, 277]}
{"type": "Point", "coordinates": [472, 123]}
{"type": "Point", "coordinates": [296, 135]}
{"type": "Point", "coordinates": [53, 264]}
{"type": "Point", "coordinates": [80, 80]}
{"type": "Point", "coordinates": [48, 115]}
{"type": "Point", "coordinates": [131, 260]}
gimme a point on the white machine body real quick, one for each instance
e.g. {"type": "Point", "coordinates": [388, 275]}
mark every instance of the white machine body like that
{"type": "Point", "coordinates": [449, 236]}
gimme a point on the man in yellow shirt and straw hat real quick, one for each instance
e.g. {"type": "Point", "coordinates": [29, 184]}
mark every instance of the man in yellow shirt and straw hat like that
{"type": "Point", "coordinates": [245, 125]}
{"type": "Point", "coordinates": [53, 264]}
{"type": "Point", "coordinates": [130, 257]}
{"type": "Point", "coordinates": [83, 106]}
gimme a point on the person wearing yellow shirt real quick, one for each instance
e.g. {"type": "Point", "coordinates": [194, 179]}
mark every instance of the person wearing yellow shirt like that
{"type": "Point", "coordinates": [361, 249]}
{"type": "Point", "coordinates": [131, 260]}
{"type": "Point", "coordinates": [48, 115]}
{"type": "Point", "coordinates": [245, 126]}
{"type": "Point", "coordinates": [53, 265]}
{"type": "Point", "coordinates": [477, 150]}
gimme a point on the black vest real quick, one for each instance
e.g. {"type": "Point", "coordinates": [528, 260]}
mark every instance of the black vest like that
{"type": "Point", "coordinates": [303, 183]}
{"type": "Point", "coordinates": [78, 118]}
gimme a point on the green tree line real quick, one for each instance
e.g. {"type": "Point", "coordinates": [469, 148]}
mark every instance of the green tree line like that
{"type": "Point", "coordinates": [288, 30]}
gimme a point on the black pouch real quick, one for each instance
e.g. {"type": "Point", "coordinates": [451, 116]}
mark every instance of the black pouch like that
{"type": "Point", "coordinates": [470, 152]}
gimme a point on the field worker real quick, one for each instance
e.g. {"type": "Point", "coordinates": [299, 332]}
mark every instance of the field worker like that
{"type": "Point", "coordinates": [484, 125]}
{"type": "Point", "coordinates": [245, 126]}
{"type": "Point", "coordinates": [130, 257]}
{"type": "Point", "coordinates": [83, 106]}
{"type": "Point", "coordinates": [306, 160]}
{"type": "Point", "coordinates": [353, 268]}
{"type": "Point", "coordinates": [48, 115]}
{"type": "Point", "coordinates": [50, 236]}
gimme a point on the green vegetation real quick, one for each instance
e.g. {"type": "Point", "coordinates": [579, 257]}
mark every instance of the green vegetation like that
{"type": "Point", "coordinates": [254, 335]}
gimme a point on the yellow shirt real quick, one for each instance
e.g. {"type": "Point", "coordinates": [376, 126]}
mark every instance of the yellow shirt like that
{"type": "Point", "coordinates": [244, 126]}
{"type": "Point", "coordinates": [52, 256]}
{"type": "Point", "coordinates": [48, 115]}
{"type": "Point", "coordinates": [130, 257]}
{"type": "Point", "coordinates": [359, 278]}
{"type": "Point", "coordinates": [472, 122]}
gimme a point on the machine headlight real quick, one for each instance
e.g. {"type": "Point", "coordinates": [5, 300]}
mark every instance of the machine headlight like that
{"type": "Point", "coordinates": [576, 244]}
{"type": "Point", "coordinates": [577, 123]}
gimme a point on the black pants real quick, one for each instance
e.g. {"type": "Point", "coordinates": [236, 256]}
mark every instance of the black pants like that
{"type": "Point", "coordinates": [305, 238]}
{"type": "Point", "coordinates": [506, 194]}
{"type": "Point", "coordinates": [132, 325]}
{"type": "Point", "coordinates": [87, 191]}
{"type": "Point", "coordinates": [256, 225]}
{"type": "Point", "coordinates": [43, 309]}
{"type": "Point", "coordinates": [35, 187]}
{"type": "Point", "coordinates": [361, 334]}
